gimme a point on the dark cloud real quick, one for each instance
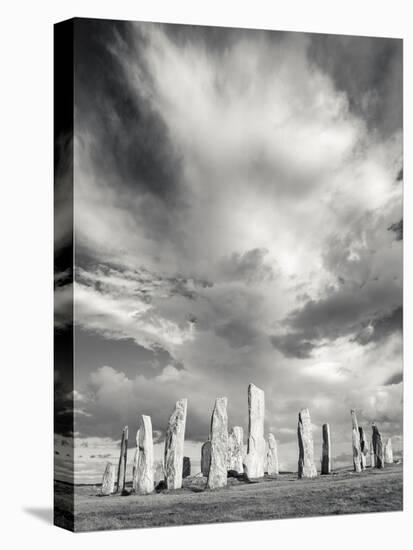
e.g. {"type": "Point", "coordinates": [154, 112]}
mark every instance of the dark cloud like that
{"type": "Point", "coordinates": [147, 285]}
{"type": "Point", "coordinates": [364, 305]}
{"type": "Point", "coordinates": [118, 400]}
{"type": "Point", "coordinates": [293, 345]}
{"type": "Point", "coordinates": [377, 329]}
{"type": "Point", "coordinates": [394, 379]}
{"type": "Point", "coordinates": [249, 266]}
{"type": "Point", "coordinates": [341, 313]}
{"type": "Point", "coordinates": [131, 147]}
{"type": "Point", "coordinates": [219, 40]}
{"type": "Point", "coordinates": [237, 333]}
{"type": "Point", "coordinates": [398, 229]}
{"type": "Point", "coordinates": [131, 141]}
{"type": "Point", "coordinates": [370, 71]}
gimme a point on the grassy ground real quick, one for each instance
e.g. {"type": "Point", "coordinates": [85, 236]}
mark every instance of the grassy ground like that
{"type": "Point", "coordinates": [343, 492]}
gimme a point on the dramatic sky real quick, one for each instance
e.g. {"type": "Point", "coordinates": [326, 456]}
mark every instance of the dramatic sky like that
{"type": "Point", "coordinates": [238, 218]}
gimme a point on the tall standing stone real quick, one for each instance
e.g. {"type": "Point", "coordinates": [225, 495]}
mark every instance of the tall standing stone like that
{"type": "Point", "coordinates": [205, 458]}
{"type": "Point", "coordinates": [326, 451]}
{"type": "Point", "coordinates": [135, 463]}
{"type": "Point", "coordinates": [217, 475]}
{"type": "Point", "coordinates": [174, 445]}
{"type": "Point", "coordinates": [306, 466]}
{"type": "Point", "coordinates": [255, 459]}
{"type": "Point", "coordinates": [378, 447]}
{"type": "Point", "coordinates": [108, 481]}
{"type": "Point", "coordinates": [144, 467]}
{"type": "Point", "coordinates": [372, 456]}
{"type": "Point", "coordinates": [122, 461]}
{"type": "Point", "coordinates": [388, 452]}
{"type": "Point", "coordinates": [364, 448]}
{"type": "Point", "coordinates": [272, 456]}
{"type": "Point", "coordinates": [235, 444]}
{"type": "Point", "coordinates": [367, 453]}
{"type": "Point", "coordinates": [355, 440]}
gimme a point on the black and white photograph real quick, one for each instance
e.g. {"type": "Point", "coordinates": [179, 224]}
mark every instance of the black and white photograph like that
{"type": "Point", "coordinates": [228, 274]}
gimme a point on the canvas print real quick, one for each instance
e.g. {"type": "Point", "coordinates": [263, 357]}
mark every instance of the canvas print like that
{"type": "Point", "coordinates": [228, 274]}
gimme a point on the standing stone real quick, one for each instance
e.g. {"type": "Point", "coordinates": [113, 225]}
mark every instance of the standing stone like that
{"type": "Point", "coordinates": [378, 447]}
{"type": "Point", "coordinates": [186, 467]}
{"type": "Point", "coordinates": [326, 451]}
{"type": "Point", "coordinates": [144, 467]}
{"type": "Point", "coordinates": [355, 439]}
{"type": "Point", "coordinates": [306, 466]}
{"type": "Point", "coordinates": [122, 461]}
{"type": "Point", "coordinates": [205, 458]}
{"type": "Point", "coordinates": [108, 481]}
{"type": "Point", "coordinates": [217, 475]}
{"type": "Point", "coordinates": [367, 453]}
{"type": "Point", "coordinates": [255, 459]}
{"type": "Point", "coordinates": [272, 456]}
{"type": "Point", "coordinates": [372, 456]}
{"type": "Point", "coordinates": [174, 445]}
{"type": "Point", "coordinates": [364, 448]}
{"type": "Point", "coordinates": [135, 463]}
{"type": "Point", "coordinates": [388, 452]}
{"type": "Point", "coordinates": [235, 444]}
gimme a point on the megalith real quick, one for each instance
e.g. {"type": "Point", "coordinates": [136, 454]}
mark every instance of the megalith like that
{"type": "Point", "coordinates": [235, 444]}
{"type": "Point", "coordinates": [378, 447]}
{"type": "Point", "coordinates": [109, 478]}
{"type": "Point", "coordinates": [364, 448]}
{"type": "Point", "coordinates": [174, 445]}
{"type": "Point", "coordinates": [144, 468]}
{"type": "Point", "coordinates": [205, 458]}
{"type": "Point", "coordinates": [121, 480]}
{"type": "Point", "coordinates": [186, 466]}
{"type": "Point", "coordinates": [255, 459]}
{"type": "Point", "coordinates": [388, 452]}
{"type": "Point", "coordinates": [306, 466]}
{"type": "Point", "coordinates": [372, 456]}
{"type": "Point", "coordinates": [217, 475]}
{"type": "Point", "coordinates": [355, 440]}
{"type": "Point", "coordinates": [326, 451]}
{"type": "Point", "coordinates": [272, 456]}
{"type": "Point", "coordinates": [135, 463]}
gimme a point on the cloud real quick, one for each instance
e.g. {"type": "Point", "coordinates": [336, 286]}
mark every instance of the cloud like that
{"type": "Point", "coordinates": [398, 229]}
{"type": "Point", "coordinates": [394, 379]}
{"type": "Point", "coordinates": [379, 328]}
{"type": "Point", "coordinates": [370, 71]}
{"type": "Point", "coordinates": [63, 199]}
{"type": "Point", "coordinates": [293, 345]}
{"type": "Point", "coordinates": [249, 266]}
{"type": "Point", "coordinates": [237, 333]}
{"type": "Point", "coordinates": [119, 306]}
{"type": "Point", "coordinates": [362, 295]}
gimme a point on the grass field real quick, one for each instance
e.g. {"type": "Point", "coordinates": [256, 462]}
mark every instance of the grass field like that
{"type": "Point", "coordinates": [343, 492]}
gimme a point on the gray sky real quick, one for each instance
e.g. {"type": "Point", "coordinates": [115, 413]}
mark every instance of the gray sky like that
{"type": "Point", "coordinates": [237, 204]}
